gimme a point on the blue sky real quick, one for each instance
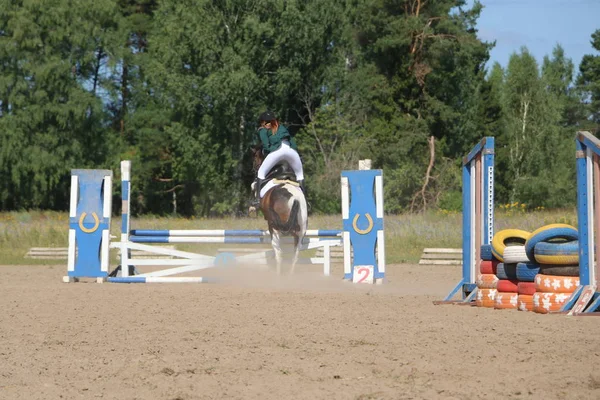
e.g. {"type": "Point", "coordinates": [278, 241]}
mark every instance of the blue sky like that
{"type": "Point", "coordinates": [539, 25]}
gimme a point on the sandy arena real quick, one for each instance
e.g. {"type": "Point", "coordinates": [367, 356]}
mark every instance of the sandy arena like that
{"type": "Point", "coordinates": [253, 335]}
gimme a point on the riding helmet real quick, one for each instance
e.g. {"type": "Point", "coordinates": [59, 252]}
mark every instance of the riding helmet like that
{"type": "Point", "coordinates": [267, 116]}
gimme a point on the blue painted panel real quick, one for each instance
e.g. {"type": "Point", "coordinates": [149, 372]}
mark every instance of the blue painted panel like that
{"type": "Point", "coordinates": [590, 143]}
{"type": "Point", "coordinates": [149, 239]}
{"type": "Point", "coordinates": [125, 187]}
{"type": "Point", "coordinates": [582, 218]}
{"type": "Point", "coordinates": [325, 232]}
{"type": "Point", "coordinates": [129, 279]}
{"type": "Point", "coordinates": [466, 234]}
{"type": "Point", "coordinates": [234, 232]}
{"type": "Point", "coordinates": [89, 223]}
{"type": "Point", "coordinates": [148, 232]}
{"type": "Point", "coordinates": [362, 221]}
{"type": "Point", "coordinates": [488, 191]}
{"type": "Point", "coordinates": [475, 151]}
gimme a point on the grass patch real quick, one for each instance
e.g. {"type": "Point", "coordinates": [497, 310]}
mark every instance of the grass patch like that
{"type": "Point", "coordinates": [405, 235]}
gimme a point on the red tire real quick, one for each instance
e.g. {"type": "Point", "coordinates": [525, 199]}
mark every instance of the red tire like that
{"type": "Point", "coordinates": [526, 288]}
{"type": "Point", "coordinates": [507, 286]}
{"type": "Point", "coordinates": [488, 267]}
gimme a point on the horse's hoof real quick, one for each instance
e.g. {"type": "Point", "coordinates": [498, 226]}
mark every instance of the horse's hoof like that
{"type": "Point", "coordinates": [252, 211]}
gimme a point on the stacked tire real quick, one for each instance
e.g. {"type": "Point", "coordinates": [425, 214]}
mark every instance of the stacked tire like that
{"type": "Point", "coordinates": [486, 279]}
{"type": "Point", "coordinates": [508, 246]}
{"type": "Point", "coordinates": [555, 248]}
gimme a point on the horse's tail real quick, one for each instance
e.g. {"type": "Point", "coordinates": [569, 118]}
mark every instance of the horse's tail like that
{"type": "Point", "coordinates": [292, 221]}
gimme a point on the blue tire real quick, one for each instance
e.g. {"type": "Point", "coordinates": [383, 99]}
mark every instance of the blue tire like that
{"type": "Point", "coordinates": [557, 253]}
{"type": "Point", "coordinates": [506, 271]}
{"type": "Point", "coordinates": [526, 272]}
{"type": "Point", "coordinates": [486, 252]}
{"type": "Point", "coordinates": [550, 233]}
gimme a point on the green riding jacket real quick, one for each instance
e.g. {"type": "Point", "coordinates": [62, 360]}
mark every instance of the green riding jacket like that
{"type": "Point", "coordinates": [272, 142]}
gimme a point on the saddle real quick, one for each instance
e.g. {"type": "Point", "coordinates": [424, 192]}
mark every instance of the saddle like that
{"type": "Point", "coordinates": [282, 172]}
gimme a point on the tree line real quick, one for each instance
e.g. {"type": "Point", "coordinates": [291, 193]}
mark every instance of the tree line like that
{"type": "Point", "coordinates": [176, 87]}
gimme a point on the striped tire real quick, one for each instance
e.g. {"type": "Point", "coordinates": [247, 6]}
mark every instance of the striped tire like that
{"type": "Point", "coordinates": [506, 271]}
{"type": "Point", "coordinates": [543, 303]}
{"type": "Point", "coordinates": [525, 302]}
{"type": "Point", "coordinates": [555, 284]}
{"type": "Point", "coordinates": [486, 252]}
{"type": "Point", "coordinates": [505, 300]}
{"type": "Point", "coordinates": [507, 286]}
{"type": "Point", "coordinates": [526, 288]}
{"type": "Point", "coordinates": [487, 281]}
{"type": "Point", "coordinates": [505, 238]}
{"type": "Point", "coordinates": [486, 298]}
{"type": "Point", "coordinates": [526, 272]}
{"type": "Point", "coordinates": [557, 253]}
{"type": "Point", "coordinates": [561, 270]}
{"type": "Point", "coordinates": [488, 267]}
{"type": "Point", "coordinates": [515, 254]}
{"type": "Point", "coordinates": [549, 233]}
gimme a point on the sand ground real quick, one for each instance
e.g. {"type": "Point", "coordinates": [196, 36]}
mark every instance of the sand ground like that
{"type": "Point", "coordinates": [254, 335]}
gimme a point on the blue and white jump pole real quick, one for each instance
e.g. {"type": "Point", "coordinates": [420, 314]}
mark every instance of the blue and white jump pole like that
{"type": "Point", "coordinates": [82, 248]}
{"type": "Point", "coordinates": [478, 215]}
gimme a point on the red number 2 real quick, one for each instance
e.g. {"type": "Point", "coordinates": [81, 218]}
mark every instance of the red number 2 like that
{"type": "Point", "coordinates": [363, 274]}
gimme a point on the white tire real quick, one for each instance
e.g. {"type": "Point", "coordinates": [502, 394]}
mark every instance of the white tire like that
{"type": "Point", "coordinates": [515, 254]}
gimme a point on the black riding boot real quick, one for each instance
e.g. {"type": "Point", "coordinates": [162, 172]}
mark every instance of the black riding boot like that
{"type": "Point", "coordinates": [303, 187]}
{"type": "Point", "coordinates": [257, 188]}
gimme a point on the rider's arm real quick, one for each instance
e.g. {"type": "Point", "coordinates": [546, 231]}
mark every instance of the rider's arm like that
{"type": "Point", "coordinates": [263, 134]}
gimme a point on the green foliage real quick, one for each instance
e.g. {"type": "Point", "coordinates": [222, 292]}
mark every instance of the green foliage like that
{"type": "Point", "coordinates": [535, 157]}
{"type": "Point", "coordinates": [177, 87]}
{"type": "Point", "coordinates": [51, 121]}
{"type": "Point", "coordinates": [589, 84]}
{"type": "Point", "coordinates": [451, 201]}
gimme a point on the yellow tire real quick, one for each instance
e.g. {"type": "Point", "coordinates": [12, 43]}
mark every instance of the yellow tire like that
{"type": "Point", "coordinates": [507, 236]}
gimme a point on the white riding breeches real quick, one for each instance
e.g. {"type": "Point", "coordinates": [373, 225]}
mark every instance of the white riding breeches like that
{"type": "Point", "coordinates": [285, 152]}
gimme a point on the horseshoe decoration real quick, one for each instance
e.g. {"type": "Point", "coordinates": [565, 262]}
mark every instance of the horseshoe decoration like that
{"type": "Point", "coordinates": [362, 231]}
{"type": "Point", "coordinates": [89, 230]}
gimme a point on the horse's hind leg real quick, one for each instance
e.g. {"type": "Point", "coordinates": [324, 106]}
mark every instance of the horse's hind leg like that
{"type": "Point", "coordinates": [276, 243]}
{"type": "Point", "coordinates": [296, 252]}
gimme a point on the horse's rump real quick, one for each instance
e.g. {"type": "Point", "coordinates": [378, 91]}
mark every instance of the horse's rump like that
{"type": "Point", "coordinates": [282, 208]}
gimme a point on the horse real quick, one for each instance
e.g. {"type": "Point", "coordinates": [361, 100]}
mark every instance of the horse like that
{"type": "Point", "coordinates": [283, 206]}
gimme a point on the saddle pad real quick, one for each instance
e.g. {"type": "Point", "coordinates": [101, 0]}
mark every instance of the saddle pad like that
{"type": "Point", "coordinates": [274, 182]}
{"type": "Point", "coordinates": [282, 181]}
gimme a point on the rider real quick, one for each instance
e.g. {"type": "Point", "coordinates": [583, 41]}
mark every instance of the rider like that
{"type": "Point", "coordinates": [277, 144]}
